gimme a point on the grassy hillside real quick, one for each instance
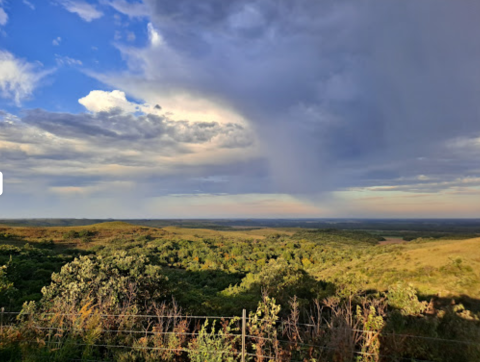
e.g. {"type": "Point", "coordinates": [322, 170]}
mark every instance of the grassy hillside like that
{"type": "Point", "coordinates": [444, 268]}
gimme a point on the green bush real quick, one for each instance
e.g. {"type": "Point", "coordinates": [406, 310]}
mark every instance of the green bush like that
{"type": "Point", "coordinates": [107, 282]}
{"type": "Point", "coordinates": [404, 299]}
{"type": "Point", "coordinates": [213, 345]}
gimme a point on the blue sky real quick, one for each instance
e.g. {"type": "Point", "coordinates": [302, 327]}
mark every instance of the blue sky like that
{"type": "Point", "coordinates": [252, 108]}
{"type": "Point", "coordinates": [49, 34]}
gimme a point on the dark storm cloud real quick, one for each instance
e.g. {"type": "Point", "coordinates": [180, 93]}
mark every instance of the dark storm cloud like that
{"type": "Point", "coordinates": [337, 91]}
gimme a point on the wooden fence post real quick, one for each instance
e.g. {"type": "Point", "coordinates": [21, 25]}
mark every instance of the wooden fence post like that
{"type": "Point", "coordinates": [244, 322]}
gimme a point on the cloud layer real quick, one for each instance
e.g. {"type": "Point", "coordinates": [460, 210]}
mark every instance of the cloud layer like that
{"type": "Point", "coordinates": [118, 146]}
{"type": "Point", "coordinates": [341, 94]}
{"type": "Point", "coordinates": [335, 104]}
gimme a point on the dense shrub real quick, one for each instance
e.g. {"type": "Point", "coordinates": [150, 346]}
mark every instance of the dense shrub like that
{"type": "Point", "coordinates": [109, 283]}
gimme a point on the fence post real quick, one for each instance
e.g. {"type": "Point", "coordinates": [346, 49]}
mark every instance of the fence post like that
{"type": "Point", "coordinates": [3, 312]}
{"type": "Point", "coordinates": [244, 322]}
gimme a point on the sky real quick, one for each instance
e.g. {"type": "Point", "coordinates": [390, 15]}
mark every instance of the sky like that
{"type": "Point", "coordinates": [240, 108]}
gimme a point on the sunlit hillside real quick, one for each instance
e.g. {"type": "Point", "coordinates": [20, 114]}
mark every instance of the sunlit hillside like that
{"type": "Point", "coordinates": [443, 268]}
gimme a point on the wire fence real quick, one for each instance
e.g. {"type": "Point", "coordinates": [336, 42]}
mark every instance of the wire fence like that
{"type": "Point", "coordinates": [243, 351]}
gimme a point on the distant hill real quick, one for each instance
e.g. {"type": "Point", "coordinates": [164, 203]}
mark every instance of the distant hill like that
{"type": "Point", "coordinates": [406, 228]}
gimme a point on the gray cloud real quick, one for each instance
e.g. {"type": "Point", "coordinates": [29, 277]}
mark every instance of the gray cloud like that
{"type": "Point", "coordinates": [337, 91]}
{"type": "Point", "coordinates": [84, 153]}
{"type": "Point", "coordinates": [116, 126]}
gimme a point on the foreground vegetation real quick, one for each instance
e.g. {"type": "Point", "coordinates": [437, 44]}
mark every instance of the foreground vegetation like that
{"type": "Point", "coordinates": [312, 295]}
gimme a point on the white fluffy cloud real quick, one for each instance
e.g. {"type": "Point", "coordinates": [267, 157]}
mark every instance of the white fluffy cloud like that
{"type": "Point", "coordinates": [18, 78]}
{"type": "Point", "coordinates": [86, 11]}
{"type": "Point", "coordinates": [102, 101]}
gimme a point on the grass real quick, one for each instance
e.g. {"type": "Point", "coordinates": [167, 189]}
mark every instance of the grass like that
{"type": "Point", "coordinates": [445, 268]}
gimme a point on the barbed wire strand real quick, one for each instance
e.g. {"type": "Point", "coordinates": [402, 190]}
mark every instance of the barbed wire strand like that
{"type": "Point", "coordinates": [115, 331]}
{"type": "Point", "coordinates": [128, 315]}
{"type": "Point", "coordinates": [262, 320]}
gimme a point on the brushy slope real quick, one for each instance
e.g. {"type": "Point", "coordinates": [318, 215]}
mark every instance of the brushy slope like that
{"type": "Point", "coordinates": [235, 258]}
{"type": "Point", "coordinates": [348, 278]}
